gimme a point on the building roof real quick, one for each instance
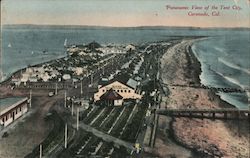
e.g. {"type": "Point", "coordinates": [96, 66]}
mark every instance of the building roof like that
{"type": "Point", "coordinates": [130, 47]}
{"type": "Point", "coordinates": [93, 45]}
{"type": "Point", "coordinates": [111, 95]}
{"type": "Point", "coordinates": [132, 83]}
{"type": "Point", "coordinates": [122, 78]}
{"type": "Point", "coordinates": [9, 103]}
{"type": "Point", "coordinates": [103, 81]}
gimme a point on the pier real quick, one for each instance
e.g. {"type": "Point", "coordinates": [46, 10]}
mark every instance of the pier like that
{"type": "Point", "coordinates": [226, 113]}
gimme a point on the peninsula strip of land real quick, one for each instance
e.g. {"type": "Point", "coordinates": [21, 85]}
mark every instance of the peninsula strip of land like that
{"type": "Point", "coordinates": [208, 138]}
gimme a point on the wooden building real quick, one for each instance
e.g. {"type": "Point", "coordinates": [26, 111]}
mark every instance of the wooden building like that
{"type": "Point", "coordinates": [11, 109]}
{"type": "Point", "coordinates": [117, 91]}
{"type": "Point", "coordinates": [111, 97]}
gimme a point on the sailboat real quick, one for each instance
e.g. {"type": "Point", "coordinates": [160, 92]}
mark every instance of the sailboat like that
{"type": "Point", "coordinates": [9, 45]}
{"type": "Point", "coordinates": [65, 43]}
{"type": "Point", "coordinates": [45, 51]}
{"type": "Point", "coordinates": [1, 75]}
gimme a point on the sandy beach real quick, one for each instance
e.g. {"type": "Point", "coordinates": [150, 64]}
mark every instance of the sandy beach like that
{"type": "Point", "coordinates": [208, 138]}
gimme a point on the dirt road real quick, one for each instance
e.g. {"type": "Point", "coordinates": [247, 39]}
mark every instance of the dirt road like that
{"type": "Point", "coordinates": [30, 130]}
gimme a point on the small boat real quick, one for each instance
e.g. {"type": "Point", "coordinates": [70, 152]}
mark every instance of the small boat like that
{"type": "Point", "coordinates": [9, 45]}
{"type": "Point", "coordinates": [32, 52]}
{"type": "Point", "coordinates": [45, 51]}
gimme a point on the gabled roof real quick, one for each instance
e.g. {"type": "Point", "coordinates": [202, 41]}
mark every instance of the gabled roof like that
{"type": "Point", "coordinates": [111, 95]}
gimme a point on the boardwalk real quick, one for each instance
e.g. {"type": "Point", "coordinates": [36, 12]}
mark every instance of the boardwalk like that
{"type": "Point", "coordinates": [226, 113]}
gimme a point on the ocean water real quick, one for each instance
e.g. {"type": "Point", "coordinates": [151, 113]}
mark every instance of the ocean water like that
{"type": "Point", "coordinates": [224, 57]}
{"type": "Point", "coordinates": [226, 63]}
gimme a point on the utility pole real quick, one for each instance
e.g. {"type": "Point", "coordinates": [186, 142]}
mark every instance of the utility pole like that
{"type": "Point", "coordinates": [1, 61]}
{"type": "Point", "coordinates": [91, 79]}
{"type": "Point", "coordinates": [65, 99]}
{"type": "Point", "coordinates": [41, 151]}
{"type": "Point", "coordinates": [56, 90]}
{"type": "Point", "coordinates": [77, 119]}
{"type": "Point", "coordinates": [30, 97]}
{"type": "Point", "coordinates": [72, 108]}
{"type": "Point", "coordinates": [81, 88]}
{"type": "Point", "coordinates": [66, 137]}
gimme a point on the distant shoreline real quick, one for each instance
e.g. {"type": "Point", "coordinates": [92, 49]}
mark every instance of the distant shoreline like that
{"type": "Point", "coordinates": [18, 72]}
{"type": "Point", "coordinates": [121, 27]}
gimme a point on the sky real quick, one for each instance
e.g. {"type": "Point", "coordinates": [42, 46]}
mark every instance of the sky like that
{"type": "Point", "coordinates": [123, 13]}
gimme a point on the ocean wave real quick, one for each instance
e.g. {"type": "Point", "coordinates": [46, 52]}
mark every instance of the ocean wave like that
{"type": "Point", "coordinates": [195, 51]}
{"type": "Point", "coordinates": [234, 66]}
{"type": "Point", "coordinates": [237, 102]}
{"type": "Point", "coordinates": [221, 50]}
{"type": "Point", "coordinates": [232, 80]}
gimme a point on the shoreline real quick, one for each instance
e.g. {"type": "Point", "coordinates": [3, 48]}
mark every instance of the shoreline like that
{"type": "Point", "coordinates": [17, 72]}
{"type": "Point", "coordinates": [196, 66]}
{"type": "Point", "coordinates": [192, 73]}
{"type": "Point", "coordinates": [223, 95]}
{"type": "Point", "coordinates": [196, 76]}
{"type": "Point", "coordinates": [196, 73]}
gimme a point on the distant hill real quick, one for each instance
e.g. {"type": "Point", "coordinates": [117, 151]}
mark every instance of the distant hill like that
{"type": "Point", "coordinates": [31, 26]}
